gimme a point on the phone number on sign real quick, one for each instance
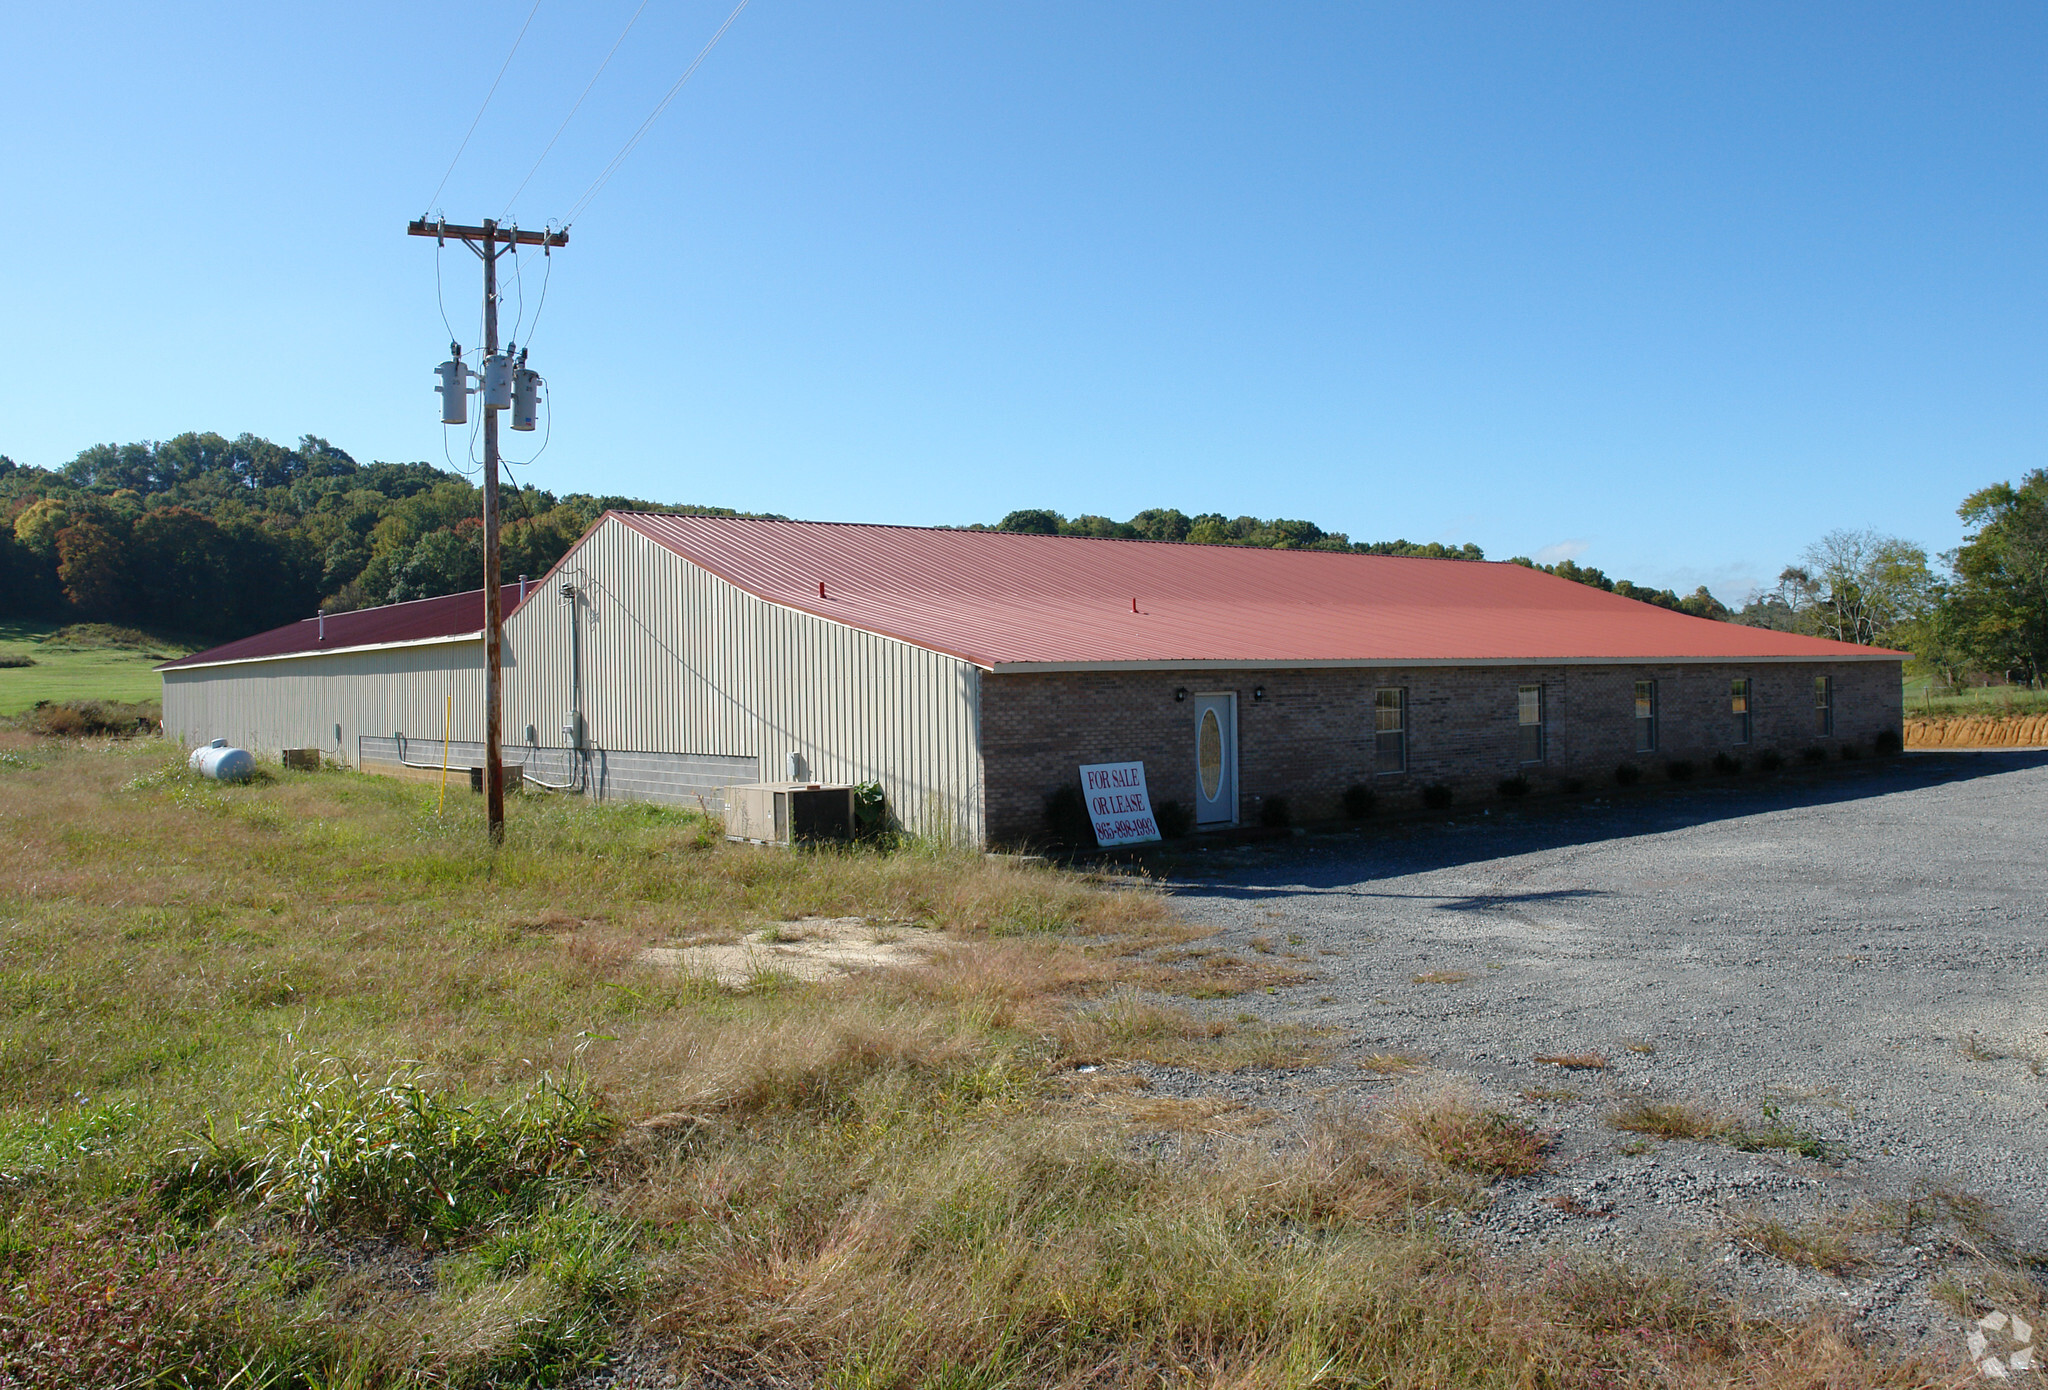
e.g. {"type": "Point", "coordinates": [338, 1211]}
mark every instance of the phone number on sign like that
{"type": "Point", "coordinates": [1124, 829]}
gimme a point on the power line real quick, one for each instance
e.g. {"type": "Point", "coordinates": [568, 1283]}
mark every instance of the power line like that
{"type": "Point", "coordinates": [481, 109]}
{"type": "Point", "coordinates": [605, 174]}
{"type": "Point", "coordinates": [572, 111]}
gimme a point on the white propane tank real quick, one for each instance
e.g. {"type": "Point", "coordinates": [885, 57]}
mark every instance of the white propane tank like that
{"type": "Point", "coordinates": [221, 763]}
{"type": "Point", "coordinates": [525, 398]}
{"type": "Point", "coordinates": [454, 389]}
{"type": "Point", "coordinates": [497, 382]}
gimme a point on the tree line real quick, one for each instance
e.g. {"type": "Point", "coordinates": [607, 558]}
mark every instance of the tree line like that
{"type": "Point", "coordinates": [212, 538]}
{"type": "Point", "coordinates": [215, 538]}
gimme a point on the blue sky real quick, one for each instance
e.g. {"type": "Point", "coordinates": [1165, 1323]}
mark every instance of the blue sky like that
{"type": "Point", "coordinates": [1674, 289]}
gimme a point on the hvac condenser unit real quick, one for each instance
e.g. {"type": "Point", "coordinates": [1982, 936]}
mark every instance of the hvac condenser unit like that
{"type": "Point", "coordinates": [781, 813]}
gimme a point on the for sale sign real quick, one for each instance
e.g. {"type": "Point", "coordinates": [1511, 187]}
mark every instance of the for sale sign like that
{"type": "Point", "coordinates": [1118, 804]}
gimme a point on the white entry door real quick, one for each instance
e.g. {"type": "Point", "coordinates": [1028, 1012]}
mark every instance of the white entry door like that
{"type": "Point", "coordinates": [1215, 759]}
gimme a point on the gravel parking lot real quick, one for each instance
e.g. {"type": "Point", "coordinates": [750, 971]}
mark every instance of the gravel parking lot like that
{"type": "Point", "coordinates": [1862, 951]}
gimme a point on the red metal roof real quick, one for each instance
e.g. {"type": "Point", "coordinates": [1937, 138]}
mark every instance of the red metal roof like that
{"type": "Point", "coordinates": [997, 599]}
{"type": "Point", "coordinates": [422, 620]}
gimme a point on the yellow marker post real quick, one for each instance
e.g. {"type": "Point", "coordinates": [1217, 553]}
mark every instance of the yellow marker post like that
{"type": "Point", "coordinates": [447, 718]}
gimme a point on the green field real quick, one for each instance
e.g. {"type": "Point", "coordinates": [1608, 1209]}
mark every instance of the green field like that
{"type": "Point", "coordinates": [1925, 699]}
{"type": "Point", "coordinates": [79, 663]}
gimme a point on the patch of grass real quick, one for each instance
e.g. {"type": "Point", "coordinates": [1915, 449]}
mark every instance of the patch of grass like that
{"type": "Point", "coordinates": [1641, 1045]}
{"type": "Point", "coordinates": [1672, 1119]}
{"type": "Point", "coordinates": [1668, 1119]}
{"type": "Point", "coordinates": [1443, 977]}
{"type": "Point", "coordinates": [1573, 1061]}
{"type": "Point", "coordinates": [1822, 1245]}
{"type": "Point", "coordinates": [1391, 1063]}
{"type": "Point", "coordinates": [1455, 1130]}
{"type": "Point", "coordinates": [1552, 1095]}
{"type": "Point", "coordinates": [79, 663]}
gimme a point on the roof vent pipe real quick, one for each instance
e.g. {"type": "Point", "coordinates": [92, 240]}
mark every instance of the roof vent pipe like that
{"type": "Point", "coordinates": [522, 588]}
{"type": "Point", "coordinates": [323, 625]}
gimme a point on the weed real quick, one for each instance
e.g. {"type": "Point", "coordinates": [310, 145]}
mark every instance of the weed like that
{"type": "Point", "coordinates": [1679, 770]}
{"type": "Point", "coordinates": [1452, 1129]}
{"type": "Point", "coordinates": [1627, 775]}
{"type": "Point", "coordinates": [1552, 1095]}
{"type": "Point", "coordinates": [1813, 753]}
{"type": "Point", "coordinates": [1359, 801]}
{"type": "Point", "coordinates": [1667, 1120]}
{"type": "Point", "coordinates": [1573, 1061]}
{"type": "Point", "coordinates": [1391, 1063]}
{"type": "Point", "coordinates": [15, 661]}
{"type": "Point", "coordinates": [1571, 786]}
{"type": "Point", "coordinates": [1443, 977]}
{"type": "Point", "coordinates": [1821, 1245]}
{"type": "Point", "coordinates": [1727, 764]}
{"type": "Point", "coordinates": [1572, 1206]}
{"type": "Point", "coordinates": [1770, 760]}
{"type": "Point", "coordinates": [1513, 788]}
{"type": "Point", "coordinates": [1437, 797]}
{"type": "Point", "coordinates": [1886, 742]}
{"type": "Point", "coordinates": [1274, 812]}
{"type": "Point", "coordinates": [1642, 1046]}
{"type": "Point", "coordinates": [342, 1149]}
{"type": "Point", "coordinates": [1778, 1133]}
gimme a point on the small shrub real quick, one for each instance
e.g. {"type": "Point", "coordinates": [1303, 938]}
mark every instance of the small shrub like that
{"type": "Point", "coordinates": [1678, 770]}
{"type": "Point", "coordinates": [1886, 743]}
{"type": "Point", "coordinates": [1513, 788]}
{"type": "Point", "coordinates": [1436, 796]}
{"type": "Point", "coordinates": [1275, 812]}
{"type": "Point", "coordinates": [1572, 786]}
{"type": "Point", "coordinates": [1066, 817]}
{"type": "Point", "coordinates": [88, 718]}
{"type": "Point", "coordinates": [14, 662]}
{"type": "Point", "coordinates": [1850, 752]}
{"type": "Point", "coordinates": [1727, 764]}
{"type": "Point", "coordinates": [1813, 753]}
{"type": "Point", "coordinates": [870, 811]}
{"type": "Point", "coordinates": [1359, 801]}
{"type": "Point", "coordinates": [1770, 760]}
{"type": "Point", "coordinates": [1174, 819]}
{"type": "Point", "coordinates": [345, 1150]}
{"type": "Point", "coordinates": [1627, 775]}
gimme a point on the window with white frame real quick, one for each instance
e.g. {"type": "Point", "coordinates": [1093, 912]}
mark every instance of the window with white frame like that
{"type": "Point", "coordinates": [1646, 716]}
{"type": "Point", "coordinates": [1390, 729]}
{"type": "Point", "coordinates": [1529, 715]}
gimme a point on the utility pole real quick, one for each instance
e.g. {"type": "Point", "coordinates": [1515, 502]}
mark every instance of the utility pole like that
{"type": "Point", "coordinates": [490, 242]}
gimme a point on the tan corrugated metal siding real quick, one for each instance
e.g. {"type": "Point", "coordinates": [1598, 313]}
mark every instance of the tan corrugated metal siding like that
{"type": "Point", "coordinates": [676, 659]}
{"type": "Point", "coordinates": [297, 701]}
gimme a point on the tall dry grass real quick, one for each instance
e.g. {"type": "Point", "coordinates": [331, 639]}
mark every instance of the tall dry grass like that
{"type": "Point", "coordinates": [892, 1181]}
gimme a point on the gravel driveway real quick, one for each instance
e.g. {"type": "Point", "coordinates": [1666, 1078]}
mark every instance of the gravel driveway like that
{"type": "Point", "coordinates": [1863, 950]}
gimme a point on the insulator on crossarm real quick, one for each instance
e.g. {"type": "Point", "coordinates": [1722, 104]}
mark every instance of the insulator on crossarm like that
{"type": "Point", "coordinates": [454, 388]}
{"type": "Point", "coordinates": [498, 382]}
{"type": "Point", "coordinates": [526, 385]}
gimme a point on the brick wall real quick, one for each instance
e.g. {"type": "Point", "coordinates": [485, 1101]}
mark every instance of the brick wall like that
{"type": "Point", "coordinates": [1311, 736]}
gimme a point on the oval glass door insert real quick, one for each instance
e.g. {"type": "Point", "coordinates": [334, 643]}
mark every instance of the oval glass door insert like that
{"type": "Point", "coordinates": [1209, 753]}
